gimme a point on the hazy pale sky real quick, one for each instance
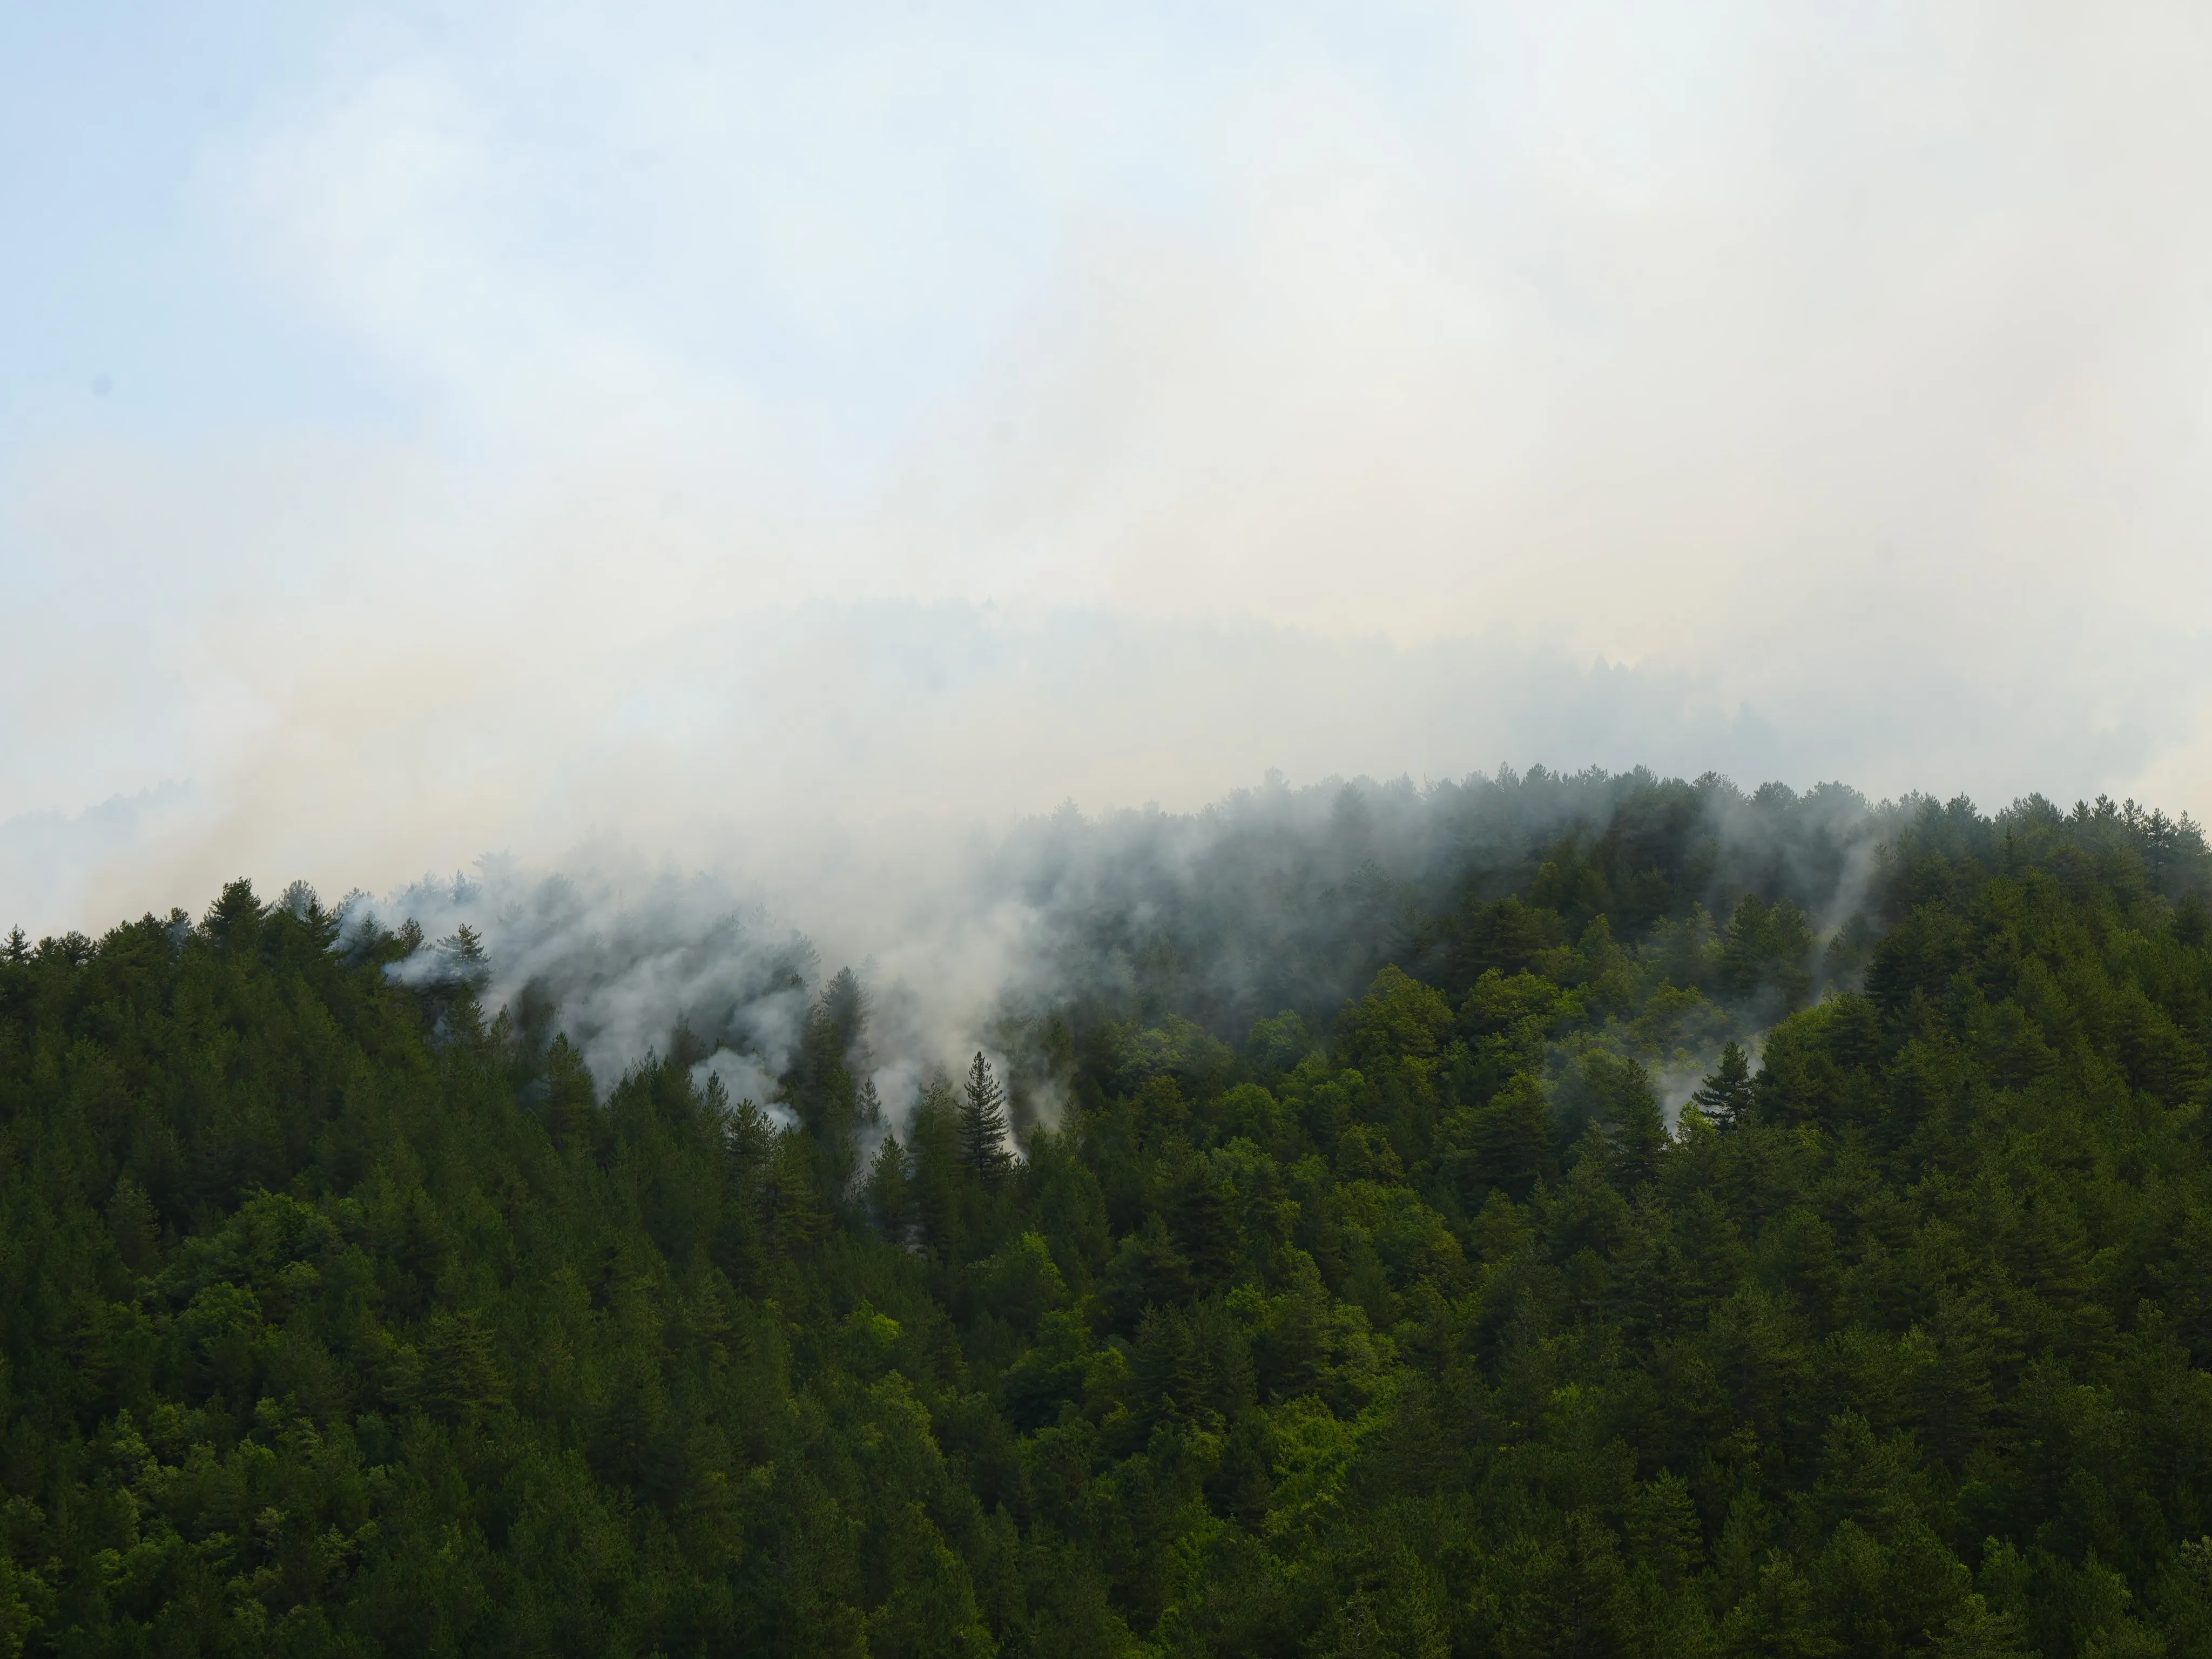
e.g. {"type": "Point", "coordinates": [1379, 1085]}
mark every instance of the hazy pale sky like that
{"type": "Point", "coordinates": [426, 431]}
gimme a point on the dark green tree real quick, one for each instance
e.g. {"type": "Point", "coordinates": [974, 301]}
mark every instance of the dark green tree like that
{"type": "Point", "coordinates": [1724, 1096]}
{"type": "Point", "coordinates": [983, 1151]}
{"type": "Point", "coordinates": [890, 1194]}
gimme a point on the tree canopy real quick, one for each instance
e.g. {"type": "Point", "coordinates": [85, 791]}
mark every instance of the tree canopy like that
{"type": "Point", "coordinates": [340, 1315]}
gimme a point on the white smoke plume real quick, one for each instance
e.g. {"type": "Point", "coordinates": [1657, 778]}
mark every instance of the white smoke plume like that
{"type": "Point", "coordinates": [1272, 899]}
{"type": "Point", "coordinates": [799, 447]}
{"type": "Point", "coordinates": [617, 965]}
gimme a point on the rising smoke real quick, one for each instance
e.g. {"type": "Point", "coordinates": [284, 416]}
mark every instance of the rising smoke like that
{"type": "Point", "coordinates": [1336, 390]}
{"type": "Point", "coordinates": [1274, 900]}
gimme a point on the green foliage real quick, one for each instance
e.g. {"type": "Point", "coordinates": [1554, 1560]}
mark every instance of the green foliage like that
{"type": "Point", "coordinates": [336, 1318]}
{"type": "Point", "coordinates": [1725, 1098]}
{"type": "Point", "coordinates": [983, 1151]}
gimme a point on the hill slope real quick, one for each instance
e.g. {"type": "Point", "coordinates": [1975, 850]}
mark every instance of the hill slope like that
{"type": "Point", "coordinates": [339, 1314]}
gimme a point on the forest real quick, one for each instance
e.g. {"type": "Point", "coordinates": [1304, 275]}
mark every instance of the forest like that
{"type": "Point", "coordinates": [1596, 1214]}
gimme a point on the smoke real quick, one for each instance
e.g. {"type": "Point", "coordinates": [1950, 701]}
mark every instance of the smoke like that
{"type": "Point", "coordinates": [630, 960]}
{"type": "Point", "coordinates": [1272, 899]}
{"type": "Point", "coordinates": [617, 961]}
{"type": "Point", "coordinates": [842, 762]}
{"type": "Point", "coordinates": [1290, 898]}
{"type": "Point", "coordinates": [799, 452]}
{"type": "Point", "coordinates": [1681, 1074]}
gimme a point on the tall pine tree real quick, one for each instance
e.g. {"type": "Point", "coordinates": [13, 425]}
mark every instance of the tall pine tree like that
{"type": "Point", "coordinates": [983, 1125]}
{"type": "Point", "coordinates": [1725, 1096]}
{"type": "Point", "coordinates": [890, 1191]}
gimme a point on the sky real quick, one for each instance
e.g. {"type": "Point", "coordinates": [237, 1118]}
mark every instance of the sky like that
{"type": "Point", "coordinates": [786, 441]}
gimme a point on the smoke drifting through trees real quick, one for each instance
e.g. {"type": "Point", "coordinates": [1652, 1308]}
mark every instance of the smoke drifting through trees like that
{"type": "Point", "coordinates": [1167, 933]}
{"type": "Point", "coordinates": [1437, 1232]}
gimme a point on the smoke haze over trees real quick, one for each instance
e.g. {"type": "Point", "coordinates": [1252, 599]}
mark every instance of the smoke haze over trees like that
{"type": "Point", "coordinates": [1107, 407]}
{"type": "Point", "coordinates": [732, 471]}
{"type": "Point", "coordinates": [1543, 1214]}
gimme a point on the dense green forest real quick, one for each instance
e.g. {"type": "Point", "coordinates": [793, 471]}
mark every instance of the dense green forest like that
{"type": "Point", "coordinates": [1625, 1216]}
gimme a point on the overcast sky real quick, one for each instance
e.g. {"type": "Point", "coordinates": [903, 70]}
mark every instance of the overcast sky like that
{"type": "Point", "coordinates": [734, 431]}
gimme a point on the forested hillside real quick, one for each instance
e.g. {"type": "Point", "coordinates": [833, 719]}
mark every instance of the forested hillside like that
{"type": "Point", "coordinates": [1355, 1277]}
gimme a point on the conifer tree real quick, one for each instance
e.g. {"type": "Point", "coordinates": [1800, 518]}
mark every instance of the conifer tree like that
{"type": "Point", "coordinates": [888, 1190]}
{"type": "Point", "coordinates": [234, 921]}
{"type": "Point", "coordinates": [466, 961]}
{"type": "Point", "coordinates": [983, 1124]}
{"type": "Point", "coordinates": [461, 1380]}
{"type": "Point", "coordinates": [1725, 1096]}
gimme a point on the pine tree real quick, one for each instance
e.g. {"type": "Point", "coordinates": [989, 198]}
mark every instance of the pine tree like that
{"type": "Point", "coordinates": [466, 961]}
{"type": "Point", "coordinates": [890, 1193]}
{"type": "Point", "coordinates": [234, 921]}
{"type": "Point", "coordinates": [794, 1194]}
{"type": "Point", "coordinates": [569, 1095]}
{"type": "Point", "coordinates": [461, 1380]}
{"type": "Point", "coordinates": [983, 1125]}
{"type": "Point", "coordinates": [1725, 1096]}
